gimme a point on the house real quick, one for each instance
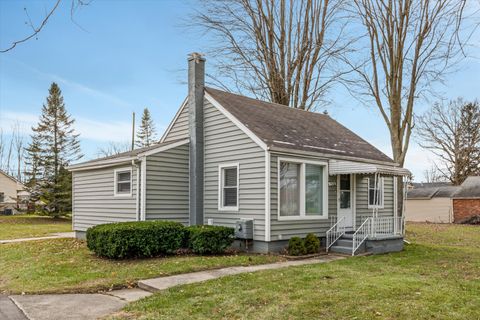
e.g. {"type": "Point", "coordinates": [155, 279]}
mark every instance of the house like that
{"type": "Point", "coordinates": [466, 201]}
{"type": "Point", "coordinates": [430, 203]}
{"type": "Point", "coordinates": [12, 192]}
{"type": "Point", "coordinates": [227, 158]}
{"type": "Point", "coordinates": [444, 203]}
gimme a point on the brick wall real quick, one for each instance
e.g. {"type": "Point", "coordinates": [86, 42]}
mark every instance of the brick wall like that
{"type": "Point", "coordinates": [465, 208]}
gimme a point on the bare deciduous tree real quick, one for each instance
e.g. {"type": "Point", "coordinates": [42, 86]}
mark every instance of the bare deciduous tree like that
{"type": "Point", "coordinates": [283, 51]}
{"type": "Point", "coordinates": [114, 148]}
{"type": "Point", "coordinates": [432, 175]}
{"type": "Point", "coordinates": [411, 45]}
{"type": "Point", "coordinates": [452, 133]}
{"type": "Point", "coordinates": [12, 151]}
{"type": "Point", "coordinates": [36, 28]}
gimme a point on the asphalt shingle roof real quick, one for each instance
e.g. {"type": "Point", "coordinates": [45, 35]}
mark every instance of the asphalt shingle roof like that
{"type": "Point", "coordinates": [284, 127]}
{"type": "Point", "coordinates": [432, 192]}
{"type": "Point", "coordinates": [128, 154]}
{"type": "Point", "coordinates": [470, 188]}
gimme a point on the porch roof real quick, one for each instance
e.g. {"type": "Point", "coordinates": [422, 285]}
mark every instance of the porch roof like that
{"type": "Point", "coordinates": [347, 167]}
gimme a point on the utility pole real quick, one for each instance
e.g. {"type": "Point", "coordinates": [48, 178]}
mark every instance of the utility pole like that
{"type": "Point", "coordinates": [133, 130]}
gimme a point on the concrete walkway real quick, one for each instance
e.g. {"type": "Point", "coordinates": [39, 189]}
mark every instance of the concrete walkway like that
{"type": "Point", "coordinates": [163, 283]}
{"type": "Point", "coordinates": [58, 235]}
{"type": "Point", "coordinates": [93, 306]}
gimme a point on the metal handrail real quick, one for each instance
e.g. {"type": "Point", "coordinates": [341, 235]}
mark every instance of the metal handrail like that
{"type": "Point", "coordinates": [335, 232]}
{"type": "Point", "coordinates": [385, 226]}
{"type": "Point", "coordinates": [361, 234]}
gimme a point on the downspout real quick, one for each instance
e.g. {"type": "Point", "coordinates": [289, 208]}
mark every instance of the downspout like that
{"type": "Point", "coordinates": [137, 185]}
{"type": "Point", "coordinates": [143, 184]}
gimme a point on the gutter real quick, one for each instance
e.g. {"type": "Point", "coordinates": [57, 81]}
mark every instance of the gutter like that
{"type": "Point", "coordinates": [329, 156]}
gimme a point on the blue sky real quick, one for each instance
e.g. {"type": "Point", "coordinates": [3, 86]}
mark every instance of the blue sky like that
{"type": "Point", "coordinates": [126, 55]}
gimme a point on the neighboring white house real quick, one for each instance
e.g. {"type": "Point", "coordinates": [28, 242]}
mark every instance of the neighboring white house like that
{"type": "Point", "coordinates": [12, 192]}
{"type": "Point", "coordinates": [227, 158]}
{"type": "Point", "coordinates": [430, 204]}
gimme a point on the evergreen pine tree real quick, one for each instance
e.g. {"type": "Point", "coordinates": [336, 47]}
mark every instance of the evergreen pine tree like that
{"type": "Point", "coordinates": [56, 144]}
{"type": "Point", "coordinates": [146, 134]}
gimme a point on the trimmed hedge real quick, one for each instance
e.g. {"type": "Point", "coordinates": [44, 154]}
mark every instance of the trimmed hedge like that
{"type": "Point", "coordinates": [135, 239]}
{"type": "Point", "coordinates": [296, 246]}
{"type": "Point", "coordinates": [209, 239]}
{"type": "Point", "coordinates": [312, 243]}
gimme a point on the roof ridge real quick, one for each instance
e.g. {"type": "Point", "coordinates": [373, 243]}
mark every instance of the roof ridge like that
{"type": "Point", "coordinates": [269, 102]}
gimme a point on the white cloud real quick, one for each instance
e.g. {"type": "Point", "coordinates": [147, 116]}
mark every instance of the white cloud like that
{"type": "Point", "coordinates": [76, 86]}
{"type": "Point", "coordinates": [116, 131]}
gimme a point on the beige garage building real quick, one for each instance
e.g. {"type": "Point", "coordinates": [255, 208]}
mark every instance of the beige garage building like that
{"type": "Point", "coordinates": [431, 204]}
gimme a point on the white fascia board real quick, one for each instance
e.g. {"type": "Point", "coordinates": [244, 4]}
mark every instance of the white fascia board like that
{"type": "Point", "coordinates": [170, 126]}
{"type": "Point", "coordinates": [163, 148]}
{"type": "Point", "coordinates": [237, 122]}
{"type": "Point", "coordinates": [117, 161]}
{"type": "Point", "coordinates": [315, 154]}
{"type": "Point", "coordinates": [100, 164]}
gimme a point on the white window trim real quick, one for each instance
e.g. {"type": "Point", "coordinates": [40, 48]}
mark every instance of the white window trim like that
{"type": "Point", "coordinates": [302, 215]}
{"type": "Point", "coordinates": [382, 189]}
{"type": "Point", "coordinates": [221, 167]}
{"type": "Point", "coordinates": [115, 175]}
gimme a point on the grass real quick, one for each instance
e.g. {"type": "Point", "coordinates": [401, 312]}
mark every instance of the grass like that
{"type": "Point", "coordinates": [28, 226]}
{"type": "Point", "coordinates": [66, 265]}
{"type": "Point", "coordinates": [435, 277]}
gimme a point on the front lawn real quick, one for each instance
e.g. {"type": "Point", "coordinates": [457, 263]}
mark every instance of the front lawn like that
{"type": "Point", "coordinates": [29, 226]}
{"type": "Point", "coordinates": [436, 277]}
{"type": "Point", "coordinates": [66, 265]}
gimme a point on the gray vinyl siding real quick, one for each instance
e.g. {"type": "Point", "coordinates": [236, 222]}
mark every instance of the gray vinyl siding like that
{"type": "Point", "coordinates": [94, 202]}
{"type": "Point", "coordinates": [282, 230]}
{"type": "Point", "coordinates": [179, 129]}
{"type": "Point", "coordinates": [362, 209]}
{"type": "Point", "coordinates": [167, 185]}
{"type": "Point", "coordinates": [226, 143]}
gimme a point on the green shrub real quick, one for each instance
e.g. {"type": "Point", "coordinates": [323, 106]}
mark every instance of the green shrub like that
{"type": "Point", "coordinates": [296, 247]}
{"type": "Point", "coordinates": [312, 243]}
{"type": "Point", "coordinates": [135, 239]}
{"type": "Point", "coordinates": [209, 239]}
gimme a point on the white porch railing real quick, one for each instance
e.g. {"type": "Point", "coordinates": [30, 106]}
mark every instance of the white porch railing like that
{"type": "Point", "coordinates": [387, 226]}
{"type": "Point", "coordinates": [335, 232]}
{"type": "Point", "coordinates": [371, 227]}
{"type": "Point", "coordinates": [361, 234]}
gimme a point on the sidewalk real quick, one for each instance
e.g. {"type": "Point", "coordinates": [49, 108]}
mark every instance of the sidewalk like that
{"type": "Point", "coordinates": [92, 306]}
{"type": "Point", "coordinates": [58, 235]}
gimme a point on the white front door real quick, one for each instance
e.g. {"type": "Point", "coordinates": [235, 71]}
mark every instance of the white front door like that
{"type": "Point", "coordinates": [345, 198]}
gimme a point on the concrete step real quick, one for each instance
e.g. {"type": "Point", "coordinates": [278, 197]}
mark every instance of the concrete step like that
{"type": "Point", "coordinates": [341, 249]}
{"type": "Point", "coordinates": [347, 236]}
{"type": "Point", "coordinates": [344, 242]}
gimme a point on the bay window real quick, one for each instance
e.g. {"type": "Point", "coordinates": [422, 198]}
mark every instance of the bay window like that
{"type": "Point", "coordinates": [302, 189]}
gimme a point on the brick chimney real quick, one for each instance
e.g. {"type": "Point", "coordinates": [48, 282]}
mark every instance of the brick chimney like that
{"type": "Point", "coordinates": [196, 85]}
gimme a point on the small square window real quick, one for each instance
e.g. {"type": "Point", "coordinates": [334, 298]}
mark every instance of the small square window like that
{"type": "Point", "coordinates": [228, 187]}
{"type": "Point", "coordinates": [123, 182]}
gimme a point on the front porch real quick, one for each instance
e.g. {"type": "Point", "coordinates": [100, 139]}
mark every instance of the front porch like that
{"type": "Point", "coordinates": [375, 226]}
{"type": "Point", "coordinates": [375, 235]}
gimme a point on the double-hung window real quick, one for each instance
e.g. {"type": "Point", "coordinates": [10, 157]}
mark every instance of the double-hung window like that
{"type": "Point", "coordinates": [228, 187]}
{"type": "Point", "coordinates": [2, 196]}
{"type": "Point", "coordinates": [302, 190]}
{"type": "Point", "coordinates": [123, 182]}
{"type": "Point", "coordinates": [375, 192]}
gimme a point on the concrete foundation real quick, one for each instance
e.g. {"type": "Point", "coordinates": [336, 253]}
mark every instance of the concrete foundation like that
{"type": "Point", "coordinates": [81, 235]}
{"type": "Point", "coordinates": [384, 245]}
